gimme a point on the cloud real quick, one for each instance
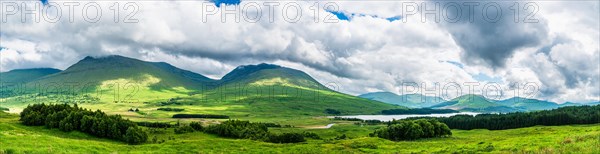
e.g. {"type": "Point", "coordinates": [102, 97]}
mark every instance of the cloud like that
{"type": "Point", "coordinates": [368, 53]}
{"type": "Point", "coordinates": [488, 33]}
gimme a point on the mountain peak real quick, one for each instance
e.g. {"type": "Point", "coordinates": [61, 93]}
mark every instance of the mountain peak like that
{"type": "Point", "coordinates": [106, 57]}
{"type": "Point", "coordinates": [257, 67]}
{"type": "Point", "coordinates": [264, 71]}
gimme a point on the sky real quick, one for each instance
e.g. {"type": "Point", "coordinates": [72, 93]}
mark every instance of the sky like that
{"type": "Point", "coordinates": [546, 50]}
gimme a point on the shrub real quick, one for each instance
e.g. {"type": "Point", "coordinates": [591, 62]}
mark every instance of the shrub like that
{"type": "Point", "coordinates": [286, 138]}
{"type": "Point", "coordinates": [255, 131]}
{"type": "Point", "coordinates": [196, 126]}
{"type": "Point", "coordinates": [332, 111]}
{"type": "Point", "coordinates": [170, 109]}
{"type": "Point", "coordinates": [311, 135]}
{"type": "Point", "coordinates": [154, 124]}
{"type": "Point", "coordinates": [412, 129]}
{"type": "Point", "coordinates": [183, 129]}
{"type": "Point", "coordinates": [135, 135]}
{"type": "Point", "coordinates": [238, 129]}
{"type": "Point", "coordinates": [208, 116]}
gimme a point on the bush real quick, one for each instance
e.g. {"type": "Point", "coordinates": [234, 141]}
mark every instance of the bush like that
{"type": "Point", "coordinates": [311, 135]}
{"type": "Point", "coordinates": [332, 111]}
{"type": "Point", "coordinates": [207, 116]}
{"type": "Point", "coordinates": [135, 135]}
{"type": "Point", "coordinates": [412, 129]}
{"type": "Point", "coordinates": [196, 126]}
{"type": "Point", "coordinates": [170, 109]}
{"type": "Point", "coordinates": [255, 131]}
{"type": "Point", "coordinates": [183, 129]}
{"type": "Point", "coordinates": [238, 129]}
{"type": "Point", "coordinates": [154, 124]}
{"type": "Point", "coordinates": [286, 138]}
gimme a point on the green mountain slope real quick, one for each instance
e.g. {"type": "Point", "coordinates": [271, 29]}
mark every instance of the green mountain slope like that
{"type": "Point", "coordinates": [264, 90]}
{"type": "Point", "coordinates": [408, 100]}
{"type": "Point", "coordinates": [269, 74]}
{"type": "Point", "coordinates": [271, 90]}
{"type": "Point", "coordinates": [25, 75]}
{"type": "Point", "coordinates": [157, 75]}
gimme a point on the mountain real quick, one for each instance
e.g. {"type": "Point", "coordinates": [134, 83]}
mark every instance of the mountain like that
{"type": "Point", "coordinates": [118, 83]}
{"type": "Point", "coordinates": [474, 103]}
{"type": "Point", "coordinates": [525, 104]}
{"type": "Point", "coordinates": [157, 75]}
{"type": "Point", "coordinates": [594, 103]}
{"type": "Point", "coordinates": [26, 75]}
{"type": "Point", "coordinates": [408, 100]}
{"type": "Point", "coordinates": [269, 74]}
{"type": "Point", "coordinates": [269, 90]}
{"type": "Point", "coordinates": [571, 104]}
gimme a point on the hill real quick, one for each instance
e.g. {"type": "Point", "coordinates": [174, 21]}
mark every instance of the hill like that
{"type": "Point", "coordinates": [26, 75]}
{"type": "Point", "coordinates": [525, 104]}
{"type": "Point", "coordinates": [408, 100]}
{"type": "Point", "coordinates": [269, 74]}
{"type": "Point", "coordinates": [474, 103]}
{"type": "Point", "coordinates": [115, 84]}
{"type": "Point", "coordinates": [101, 69]}
{"type": "Point", "coordinates": [267, 90]}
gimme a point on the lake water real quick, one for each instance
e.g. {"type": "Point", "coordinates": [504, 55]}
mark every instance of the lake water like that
{"type": "Point", "coordinates": [398, 117]}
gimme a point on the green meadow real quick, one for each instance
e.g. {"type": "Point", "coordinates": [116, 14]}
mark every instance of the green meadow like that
{"type": "Point", "coordinates": [17, 138]}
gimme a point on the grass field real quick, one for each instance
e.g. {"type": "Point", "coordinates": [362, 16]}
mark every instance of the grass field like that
{"type": "Point", "coordinates": [17, 138]}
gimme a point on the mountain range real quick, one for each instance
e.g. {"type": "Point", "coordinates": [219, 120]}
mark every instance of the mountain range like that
{"type": "Point", "coordinates": [262, 89]}
{"type": "Point", "coordinates": [469, 102]}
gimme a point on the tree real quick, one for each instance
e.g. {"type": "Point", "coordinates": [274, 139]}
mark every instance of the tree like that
{"type": "Point", "coordinates": [135, 135]}
{"type": "Point", "coordinates": [68, 118]}
{"type": "Point", "coordinates": [427, 127]}
{"type": "Point", "coordinates": [412, 129]}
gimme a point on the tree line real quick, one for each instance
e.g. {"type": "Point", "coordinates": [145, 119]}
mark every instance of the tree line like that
{"type": "Point", "coordinates": [561, 116]}
{"type": "Point", "coordinates": [170, 109]}
{"type": "Point", "coordinates": [412, 129]}
{"type": "Point", "coordinates": [72, 118]}
{"type": "Point", "coordinates": [255, 131]}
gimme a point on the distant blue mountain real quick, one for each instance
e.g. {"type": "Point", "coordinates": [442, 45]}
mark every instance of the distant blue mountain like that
{"type": "Point", "coordinates": [525, 104]}
{"type": "Point", "coordinates": [408, 100]}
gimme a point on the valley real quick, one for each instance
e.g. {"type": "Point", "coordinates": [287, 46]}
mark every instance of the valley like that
{"type": "Point", "coordinates": [157, 92]}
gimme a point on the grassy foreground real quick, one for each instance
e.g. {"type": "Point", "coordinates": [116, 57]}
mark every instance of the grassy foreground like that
{"type": "Point", "coordinates": [17, 138]}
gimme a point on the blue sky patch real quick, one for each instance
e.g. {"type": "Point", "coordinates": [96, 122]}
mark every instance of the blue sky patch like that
{"type": "Point", "coordinates": [460, 65]}
{"type": "Point", "coordinates": [485, 77]}
{"type": "Point", "coordinates": [340, 15]}
{"type": "Point", "coordinates": [226, 2]}
{"type": "Point", "coordinates": [391, 19]}
{"type": "Point", "coordinates": [348, 16]}
{"type": "Point", "coordinates": [44, 1]}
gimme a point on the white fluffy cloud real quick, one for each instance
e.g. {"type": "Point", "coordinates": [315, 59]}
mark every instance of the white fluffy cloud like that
{"type": "Point", "coordinates": [365, 54]}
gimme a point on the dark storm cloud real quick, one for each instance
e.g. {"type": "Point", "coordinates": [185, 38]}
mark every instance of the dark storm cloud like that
{"type": "Point", "coordinates": [490, 36]}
